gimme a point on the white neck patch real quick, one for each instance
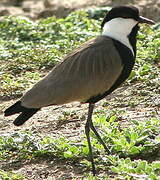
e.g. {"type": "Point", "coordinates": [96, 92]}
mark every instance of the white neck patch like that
{"type": "Point", "coordinates": [119, 29]}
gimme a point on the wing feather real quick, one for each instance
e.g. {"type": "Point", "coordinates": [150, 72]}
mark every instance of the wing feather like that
{"type": "Point", "coordinates": [88, 71]}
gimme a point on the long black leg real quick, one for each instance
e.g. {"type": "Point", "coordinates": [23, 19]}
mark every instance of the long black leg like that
{"type": "Point", "coordinates": [99, 137]}
{"type": "Point", "coordinates": [87, 131]}
{"type": "Point", "coordinates": [89, 125]}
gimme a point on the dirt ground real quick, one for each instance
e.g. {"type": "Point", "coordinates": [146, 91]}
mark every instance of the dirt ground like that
{"type": "Point", "coordinates": [73, 127]}
{"type": "Point", "coordinates": [48, 122]}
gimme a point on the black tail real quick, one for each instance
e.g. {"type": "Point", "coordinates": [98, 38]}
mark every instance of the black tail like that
{"type": "Point", "coordinates": [24, 116]}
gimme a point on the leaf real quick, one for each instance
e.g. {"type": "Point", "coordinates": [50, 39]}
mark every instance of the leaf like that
{"type": "Point", "coordinates": [134, 150]}
{"type": "Point", "coordinates": [115, 169]}
{"type": "Point", "coordinates": [112, 119]}
{"type": "Point", "coordinates": [68, 154]}
{"type": "Point", "coordinates": [85, 150]}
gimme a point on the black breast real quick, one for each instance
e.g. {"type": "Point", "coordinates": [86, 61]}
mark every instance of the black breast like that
{"type": "Point", "coordinates": [128, 61]}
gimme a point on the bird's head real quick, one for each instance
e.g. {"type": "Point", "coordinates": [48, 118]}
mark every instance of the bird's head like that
{"type": "Point", "coordinates": [125, 14]}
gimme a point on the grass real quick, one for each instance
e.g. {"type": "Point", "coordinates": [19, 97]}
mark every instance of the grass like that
{"type": "Point", "coordinates": [28, 50]}
{"type": "Point", "coordinates": [135, 148]}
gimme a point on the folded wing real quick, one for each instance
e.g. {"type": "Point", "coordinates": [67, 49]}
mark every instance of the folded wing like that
{"type": "Point", "coordinates": [88, 71]}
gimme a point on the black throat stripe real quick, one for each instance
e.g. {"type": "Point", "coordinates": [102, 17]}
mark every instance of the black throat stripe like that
{"type": "Point", "coordinates": [128, 61]}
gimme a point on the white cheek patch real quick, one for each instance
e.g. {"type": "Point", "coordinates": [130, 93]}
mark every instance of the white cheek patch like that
{"type": "Point", "coordinates": [119, 29]}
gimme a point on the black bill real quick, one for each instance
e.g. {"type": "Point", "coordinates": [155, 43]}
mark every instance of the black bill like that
{"type": "Point", "coordinates": [145, 20]}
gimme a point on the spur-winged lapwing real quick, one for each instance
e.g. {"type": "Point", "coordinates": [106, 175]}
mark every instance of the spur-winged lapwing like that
{"type": "Point", "coordinates": [90, 72]}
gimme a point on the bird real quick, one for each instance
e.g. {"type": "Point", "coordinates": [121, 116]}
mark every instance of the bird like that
{"type": "Point", "coordinates": [88, 73]}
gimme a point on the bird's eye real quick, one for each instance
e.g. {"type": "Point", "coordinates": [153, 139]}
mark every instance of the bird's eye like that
{"type": "Point", "coordinates": [125, 17]}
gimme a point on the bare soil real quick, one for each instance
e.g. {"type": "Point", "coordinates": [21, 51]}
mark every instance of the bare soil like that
{"type": "Point", "coordinates": [49, 121]}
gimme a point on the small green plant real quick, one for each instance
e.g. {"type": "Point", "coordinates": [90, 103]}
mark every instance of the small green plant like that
{"type": "Point", "coordinates": [136, 169]}
{"type": "Point", "coordinates": [10, 176]}
{"type": "Point", "coordinates": [35, 47]}
{"type": "Point", "coordinates": [137, 141]}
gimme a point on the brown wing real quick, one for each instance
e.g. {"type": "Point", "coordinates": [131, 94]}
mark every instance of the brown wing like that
{"type": "Point", "coordinates": [88, 71]}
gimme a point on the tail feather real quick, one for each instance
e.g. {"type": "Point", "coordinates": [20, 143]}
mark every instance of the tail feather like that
{"type": "Point", "coordinates": [24, 116]}
{"type": "Point", "coordinates": [15, 108]}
